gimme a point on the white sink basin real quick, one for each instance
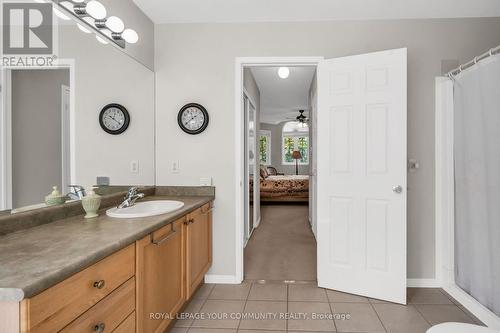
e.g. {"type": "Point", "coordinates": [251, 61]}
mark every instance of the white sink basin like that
{"type": "Point", "coordinates": [145, 209]}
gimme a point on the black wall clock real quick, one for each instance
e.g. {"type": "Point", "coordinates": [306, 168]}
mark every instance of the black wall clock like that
{"type": "Point", "coordinates": [193, 118]}
{"type": "Point", "coordinates": [114, 119]}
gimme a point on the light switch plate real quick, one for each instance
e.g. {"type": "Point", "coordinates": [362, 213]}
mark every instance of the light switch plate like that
{"type": "Point", "coordinates": [176, 167]}
{"type": "Point", "coordinates": [134, 166]}
{"type": "Point", "coordinates": [206, 181]}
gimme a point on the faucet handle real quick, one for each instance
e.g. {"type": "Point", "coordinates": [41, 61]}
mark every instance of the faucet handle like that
{"type": "Point", "coordinates": [132, 191]}
{"type": "Point", "coordinates": [76, 188]}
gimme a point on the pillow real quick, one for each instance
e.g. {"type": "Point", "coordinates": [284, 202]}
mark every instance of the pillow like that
{"type": "Point", "coordinates": [263, 172]}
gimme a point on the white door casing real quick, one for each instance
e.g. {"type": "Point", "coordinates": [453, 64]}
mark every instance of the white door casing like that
{"type": "Point", "coordinates": [361, 150]}
{"type": "Point", "coordinates": [65, 137]}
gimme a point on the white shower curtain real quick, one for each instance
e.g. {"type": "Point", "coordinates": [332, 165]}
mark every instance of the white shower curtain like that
{"type": "Point", "coordinates": [477, 182]}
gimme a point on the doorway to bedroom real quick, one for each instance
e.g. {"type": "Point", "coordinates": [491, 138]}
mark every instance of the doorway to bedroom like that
{"type": "Point", "coordinates": [279, 104]}
{"type": "Point", "coordinates": [357, 146]}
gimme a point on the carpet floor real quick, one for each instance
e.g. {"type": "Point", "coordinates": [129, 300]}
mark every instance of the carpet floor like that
{"type": "Point", "coordinates": [283, 247]}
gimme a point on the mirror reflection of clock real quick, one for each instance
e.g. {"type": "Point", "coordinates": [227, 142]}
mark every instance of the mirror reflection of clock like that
{"type": "Point", "coordinates": [114, 119]}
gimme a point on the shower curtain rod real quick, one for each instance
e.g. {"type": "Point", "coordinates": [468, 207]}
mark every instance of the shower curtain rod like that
{"type": "Point", "coordinates": [459, 69]}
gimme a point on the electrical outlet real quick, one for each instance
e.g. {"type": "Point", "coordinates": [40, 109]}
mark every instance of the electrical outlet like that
{"type": "Point", "coordinates": [134, 166]}
{"type": "Point", "coordinates": [175, 167]}
{"type": "Point", "coordinates": [206, 181]}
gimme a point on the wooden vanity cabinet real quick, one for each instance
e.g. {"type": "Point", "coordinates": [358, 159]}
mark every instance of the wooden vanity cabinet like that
{"type": "Point", "coordinates": [198, 229]}
{"type": "Point", "coordinates": [160, 277]}
{"type": "Point", "coordinates": [138, 289]}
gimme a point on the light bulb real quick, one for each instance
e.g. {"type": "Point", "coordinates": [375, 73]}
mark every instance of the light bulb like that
{"type": "Point", "coordinates": [96, 10]}
{"type": "Point", "coordinates": [130, 36]}
{"type": "Point", "coordinates": [101, 40]}
{"type": "Point", "coordinates": [83, 28]}
{"type": "Point", "coordinates": [60, 14]}
{"type": "Point", "coordinates": [115, 24]}
{"type": "Point", "coordinates": [283, 72]}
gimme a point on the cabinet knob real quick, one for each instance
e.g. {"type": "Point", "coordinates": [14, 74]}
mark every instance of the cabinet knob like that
{"type": "Point", "coordinates": [99, 284]}
{"type": "Point", "coordinates": [99, 328]}
{"type": "Point", "coordinates": [189, 221]}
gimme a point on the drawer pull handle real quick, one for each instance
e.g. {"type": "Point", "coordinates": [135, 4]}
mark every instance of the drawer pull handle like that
{"type": "Point", "coordinates": [166, 238]}
{"type": "Point", "coordinates": [188, 222]}
{"type": "Point", "coordinates": [99, 284]}
{"type": "Point", "coordinates": [99, 328]}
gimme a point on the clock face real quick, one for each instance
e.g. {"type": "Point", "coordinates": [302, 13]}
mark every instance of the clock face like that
{"type": "Point", "coordinates": [193, 118]}
{"type": "Point", "coordinates": [114, 119]}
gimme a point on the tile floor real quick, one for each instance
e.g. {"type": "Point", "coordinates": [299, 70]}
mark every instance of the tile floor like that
{"type": "Point", "coordinates": [313, 309]}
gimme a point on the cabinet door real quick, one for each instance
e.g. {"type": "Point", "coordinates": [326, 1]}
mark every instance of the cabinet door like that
{"type": "Point", "coordinates": [198, 246]}
{"type": "Point", "coordinates": [160, 277]}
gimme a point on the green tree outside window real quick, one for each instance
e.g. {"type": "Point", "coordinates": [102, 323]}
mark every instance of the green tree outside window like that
{"type": "Point", "coordinates": [263, 149]}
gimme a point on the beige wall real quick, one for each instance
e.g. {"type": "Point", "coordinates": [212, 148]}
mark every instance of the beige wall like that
{"type": "Point", "coordinates": [103, 75]}
{"type": "Point", "coordinates": [36, 133]}
{"type": "Point", "coordinates": [195, 62]}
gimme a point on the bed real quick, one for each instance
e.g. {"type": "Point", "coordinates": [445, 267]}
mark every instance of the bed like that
{"type": "Point", "coordinates": [287, 188]}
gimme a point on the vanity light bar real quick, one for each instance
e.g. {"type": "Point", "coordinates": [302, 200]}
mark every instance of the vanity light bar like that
{"type": "Point", "coordinates": [93, 14]}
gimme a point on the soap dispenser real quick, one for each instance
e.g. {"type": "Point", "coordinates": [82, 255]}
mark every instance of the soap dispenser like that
{"type": "Point", "coordinates": [91, 203]}
{"type": "Point", "coordinates": [55, 197]}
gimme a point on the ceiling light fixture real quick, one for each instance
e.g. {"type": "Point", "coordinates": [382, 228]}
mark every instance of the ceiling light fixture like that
{"type": "Point", "coordinates": [283, 72]}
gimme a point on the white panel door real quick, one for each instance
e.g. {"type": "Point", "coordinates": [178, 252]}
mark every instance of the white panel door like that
{"type": "Point", "coordinates": [361, 175]}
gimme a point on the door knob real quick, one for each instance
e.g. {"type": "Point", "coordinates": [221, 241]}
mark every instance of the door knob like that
{"type": "Point", "coordinates": [397, 189]}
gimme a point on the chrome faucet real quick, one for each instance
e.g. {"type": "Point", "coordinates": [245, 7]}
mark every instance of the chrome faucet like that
{"type": "Point", "coordinates": [131, 198]}
{"type": "Point", "coordinates": [77, 192]}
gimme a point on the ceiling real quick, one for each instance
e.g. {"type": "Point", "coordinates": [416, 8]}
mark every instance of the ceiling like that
{"type": "Point", "coordinates": [280, 99]}
{"type": "Point", "coordinates": [173, 11]}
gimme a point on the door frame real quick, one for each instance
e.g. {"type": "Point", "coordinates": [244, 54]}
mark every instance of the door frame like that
{"type": "Point", "coordinates": [445, 204]}
{"type": "Point", "coordinates": [246, 175]}
{"type": "Point", "coordinates": [66, 148]}
{"type": "Point", "coordinates": [6, 126]}
{"type": "Point", "coordinates": [240, 64]}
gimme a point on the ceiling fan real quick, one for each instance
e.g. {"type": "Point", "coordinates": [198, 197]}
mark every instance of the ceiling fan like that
{"type": "Point", "coordinates": [301, 118]}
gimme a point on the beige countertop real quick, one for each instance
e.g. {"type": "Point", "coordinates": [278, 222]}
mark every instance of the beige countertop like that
{"type": "Point", "coordinates": [35, 259]}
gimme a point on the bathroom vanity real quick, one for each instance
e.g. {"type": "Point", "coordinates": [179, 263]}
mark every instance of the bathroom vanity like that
{"type": "Point", "coordinates": [106, 274]}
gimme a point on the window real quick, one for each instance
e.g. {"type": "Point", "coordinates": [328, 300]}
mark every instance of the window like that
{"type": "Point", "coordinates": [295, 137]}
{"type": "Point", "coordinates": [265, 147]}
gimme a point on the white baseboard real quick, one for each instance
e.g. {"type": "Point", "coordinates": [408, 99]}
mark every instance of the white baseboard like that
{"type": "Point", "coordinates": [423, 283]}
{"type": "Point", "coordinates": [471, 304]}
{"type": "Point", "coordinates": [222, 279]}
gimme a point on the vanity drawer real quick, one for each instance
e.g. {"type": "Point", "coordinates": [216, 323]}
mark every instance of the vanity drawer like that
{"type": "Point", "coordinates": [56, 307]}
{"type": "Point", "coordinates": [127, 326]}
{"type": "Point", "coordinates": [108, 314]}
{"type": "Point", "coordinates": [202, 210]}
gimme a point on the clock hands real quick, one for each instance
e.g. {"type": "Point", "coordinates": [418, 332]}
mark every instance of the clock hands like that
{"type": "Point", "coordinates": [192, 118]}
{"type": "Point", "coordinates": [116, 121]}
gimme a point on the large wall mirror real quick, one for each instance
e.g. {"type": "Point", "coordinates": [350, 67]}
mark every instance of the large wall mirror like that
{"type": "Point", "coordinates": [50, 130]}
